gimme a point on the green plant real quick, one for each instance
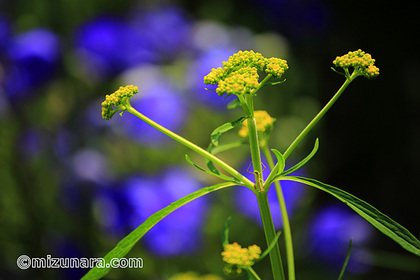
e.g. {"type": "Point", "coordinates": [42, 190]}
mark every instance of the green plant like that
{"type": "Point", "coordinates": [239, 76]}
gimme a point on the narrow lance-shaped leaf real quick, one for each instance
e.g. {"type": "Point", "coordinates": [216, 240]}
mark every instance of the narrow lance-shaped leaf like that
{"type": "Point", "coordinates": [233, 104]}
{"type": "Point", "coordinates": [302, 162]}
{"type": "Point", "coordinates": [126, 244]}
{"type": "Point", "coordinates": [379, 220]}
{"type": "Point", "coordinates": [209, 163]}
{"type": "Point", "coordinates": [270, 247]}
{"type": "Point", "coordinates": [280, 160]}
{"type": "Point", "coordinates": [225, 232]}
{"type": "Point", "coordinates": [346, 260]}
{"type": "Point", "coordinates": [219, 175]}
{"type": "Point", "coordinates": [215, 135]}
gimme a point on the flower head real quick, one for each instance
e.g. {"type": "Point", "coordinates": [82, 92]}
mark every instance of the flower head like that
{"type": "Point", "coordinates": [360, 61]}
{"type": "Point", "coordinates": [117, 99]}
{"type": "Point", "coordinates": [276, 66]}
{"type": "Point", "coordinates": [239, 74]}
{"type": "Point", "coordinates": [237, 258]}
{"type": "Point", "coordinates": [264, 123]}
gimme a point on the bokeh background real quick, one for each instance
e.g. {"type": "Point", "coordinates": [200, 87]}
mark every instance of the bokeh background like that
{"type": "Point", "coordinates": [73, 185]}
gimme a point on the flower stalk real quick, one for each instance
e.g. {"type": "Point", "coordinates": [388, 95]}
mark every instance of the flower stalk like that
{"type": "Point", "coordinates": [246, 182]}
{"type": "Point", "coordinates": [285, 217]}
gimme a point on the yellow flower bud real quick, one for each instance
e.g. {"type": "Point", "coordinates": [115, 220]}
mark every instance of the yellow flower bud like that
{"type": "Point", "coordinates": [264, 123]}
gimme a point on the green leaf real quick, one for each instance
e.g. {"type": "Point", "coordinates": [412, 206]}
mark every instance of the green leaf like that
{"type": "Point", "coordinates": [234, 103]}
{"type": "Point", "coordinates": [338, 72]}
{"type": "Point", "coordinates": [346, 260]}
{"type": "Point", "coordinates": [379, 220]}
{"type": "Point", "coordinates": [218, 149]}
{"type": "Point", "coordinates": [215, 135]}
{"type": "Point", "coordinates": [304, 161]}
{"type": "Point", "coordinates": [225, 232]}
{"type": "Point", "coordinates": [274, 83]}
{"type": "Point", "coordinates": [218, 174]}
{"type": "Point", "coordinates": [280, 160]}
{"type": "Point", "coordinates": [210, 164]}
{"type": "Point", "coordinates": [270, 247]}
{"type": "Point", "coordinates": [126, 244]}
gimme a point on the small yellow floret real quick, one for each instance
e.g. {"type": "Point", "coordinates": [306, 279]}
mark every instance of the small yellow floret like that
{"type": "Point", "coordinates": [264, 123]}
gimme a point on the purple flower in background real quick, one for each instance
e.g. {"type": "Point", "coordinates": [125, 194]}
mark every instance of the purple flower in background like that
{"type": "Point", "coordinates": [5, 32]}
{"type": "Point", "coordinates": [32, 60]}
{"type": "Point", "coordinates": [112, 209]}
{"type": "Point", "coordinates": [31, 143]}
{"type": "Point", "coordinates": [161, 103]}
{"type": "Point", "coordinates": [69, 251]}
{"type": "Point", "coordinates": [178, 233]}
{"type": "Point", "coordinates": [201, 67]}
{"type": "Point", "coordinates": [90, 165]}
{"type": "Point", "coordinates": [331, 229]}
{"type": "Point", "coordinates": [109, 45]}
{"type": "Point", "coordinates": [167, 30]}
{"type": "Point", "coordinates": [246, 201]}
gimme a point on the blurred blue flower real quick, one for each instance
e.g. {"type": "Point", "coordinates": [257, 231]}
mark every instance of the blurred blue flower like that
{"type": "Point", "coordinates": [202, 66]}
{"type": "Point", "coordinates": [64, 142]}
{"type": "Point", "coordinates": [66, 249]}
{"type": "Point", "coordinates": [179, 233]}
{"type": "Point", "coordinates": [5, 32]}
{"type": "Point", "coordinates": [166, 29]}
{"type": "Point", "coordinates": [112, 209]}
{"type": "Point", "coordinates": [109, 45]}
{"type": "Point", "coordinates": [90, 165]}
{"type": "Point", "coordinates": [33, 58]}
{"type": "Point", "coordinates": [331, 229]}
{"type": "Point", "coordinates": [30, 143]}
{"type": "Point", "coordinates": [161, 103]}
{"type": "Point", "coordinates": [246, 201]}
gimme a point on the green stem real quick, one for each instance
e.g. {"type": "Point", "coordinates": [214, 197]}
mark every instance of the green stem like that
{"type": "Point", "coordinates": [269, 230]}
{"type": "Point", "coordinates": [254, 145]}
{"type": "Point", "coordinates": [285, 217]}
{"type": "Point", "coordinates": [314, 121]}
{"type": "Point", "coordinates": [263, 82]}
{"type": "Point", "coordinates": [193, 147]}
{"type": "Point", "coordinates": [270, 234]}
{"type": "Point", "coordinates": [252, 274]}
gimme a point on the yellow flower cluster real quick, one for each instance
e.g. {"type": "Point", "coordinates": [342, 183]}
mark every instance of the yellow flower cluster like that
{"type": "Point", "coordinates": [276, 66]}
{"type": "Point", "coordinates": [116, 99]}
{"type": "Point", "coordinates": [264, 122]}
{"type": "Point", "coordinates": [239, 74]}
{"type": "Point", "coordinates": [235, 255]}
{"type": "Point", "coordinates": [360, 61]}
{"type": "Point", "coordinates": [194, 276]}
{"type": "Point", "coordinates": [242, 82]}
